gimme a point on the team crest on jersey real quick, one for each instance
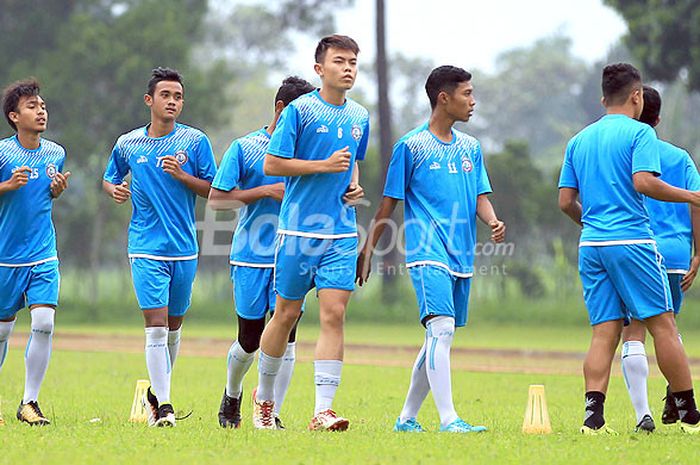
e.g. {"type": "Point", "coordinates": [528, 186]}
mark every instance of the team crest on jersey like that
{"type": "Point", "coordinates": [51, 170]}
{"type": "Point", "coordinates": [181, 157]}
{"type": "Point", "coordinates": [467, 165]}
{"type": "Point", "coordinates": [356, 132]}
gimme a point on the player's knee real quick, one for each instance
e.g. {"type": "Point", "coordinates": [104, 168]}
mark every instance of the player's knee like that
{"type": "Point", "coordinates": [42, 320]}
{"type": "Point", "coordinates": [332, 315]}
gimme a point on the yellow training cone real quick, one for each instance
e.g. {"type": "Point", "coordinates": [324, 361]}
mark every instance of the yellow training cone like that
{"type": "Point", "coordinates": [536, 415]}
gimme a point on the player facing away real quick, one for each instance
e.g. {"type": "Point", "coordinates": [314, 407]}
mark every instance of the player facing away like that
{"type": "Point", "coordinates": [170, 165]}
{"type": "Point", "coordinates": [241, 182]}
{"type": "Point", "coordinates": [672, 224]}
{"type": "Point", "coordinates": [439, 173]}
{"type": "Point", "coordinates": [31, 177]}
{"type": "Point", "coordinates": [318, 140]}
{"type": "Point", "coordinates": [611, 165]}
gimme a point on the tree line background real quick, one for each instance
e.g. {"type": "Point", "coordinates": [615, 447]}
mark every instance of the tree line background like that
{"type": "Point", "coordinates": [93, 58]}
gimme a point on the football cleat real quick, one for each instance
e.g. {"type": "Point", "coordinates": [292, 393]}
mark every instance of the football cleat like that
{"type": "Point", "coordinates": [278, 422]}
{"type": "Point", "coordinates": [263, 417]}
{"type": "Point", "coordinates": [670, 414]}
{"type": "Point", "coordinates": [150, 404]}
{"type": "Point", "coordinates": [166, 416]}
{"type": "Point", "coordinates": [31, 413]}
{"type": "Point", "coordinates": [645, 425]}
{"type": "Point", "coordinates": [327, 420]}
{"type": "Point", "coordinates": [230, 411]}
{"type": "Point", "coordinates": [461, 426]}
{"type": "Point", "coordinates": [408, 426]}
{"type": "Point", "coordinates": [603, 430]}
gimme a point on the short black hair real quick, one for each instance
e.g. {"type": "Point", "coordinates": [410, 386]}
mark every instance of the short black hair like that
{"type": "Point", "coordinates": [444, 79]}
{"type": "Point", "coordinates": [163, 74]}
{"type": "Point", "coordinates": [652, 106]}
{"type": "Point", "coordinates": [619, 80]}
{"type": "Point", "coordinates": [292, 88]}
{"type": "Point", "coordinates": [335, 41]}
{"type": "Point", "coordinates": [14, 92]}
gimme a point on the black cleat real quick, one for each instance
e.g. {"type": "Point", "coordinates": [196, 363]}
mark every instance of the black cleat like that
{"type": "Point", "coordinates": [645, 425]}
{"type": "Point", "coordinates": [31, 413]}
{"type": "Point", "coordinates": [230, 411]}
{"type": "Point", "coordinates": [166, 416]}
{"type": "Point", "coordinates": [278, 423]}
{"type": "Point", "coordinates": [670, 414]}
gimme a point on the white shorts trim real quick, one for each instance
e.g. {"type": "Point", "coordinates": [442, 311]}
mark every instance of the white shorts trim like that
{"type": "Point", "coordinates": [252, 265]}
{"type": "Point", "coordinates": [676, 271]}
{"type": "Point", "coordinates": [440, 265]}
{"type": "Point", "coordinates": [163, 259]}
{"type": "Point", "coordinates": [38, 262]}
{"type": "Point", "coordinates": [622, 242]}
{"type": "Point", "coordinates": [286, 232]}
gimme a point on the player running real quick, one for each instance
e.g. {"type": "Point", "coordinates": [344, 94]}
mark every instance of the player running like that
{"type": "Point", "coordinates": [612, 164]}
{"type": "Point", "coordinates": [316, 146]}
{"type": "Point", "coordinates": [31, 178]}
{"type": "Point", "coordinates": [170, 165]}
{"type": "Point", "coordinates": [439, 173]}
{"type": "Point", "coordinates": [241, 182]}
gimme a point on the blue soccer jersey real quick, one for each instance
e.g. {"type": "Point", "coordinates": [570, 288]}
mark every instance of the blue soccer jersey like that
{"type": "Point", "coordinates": [599, 163]}
{"type": "Point", "coordinates": [163, 222]}
{"type": "Point", "coordinates": [253, 241]}
{"type": "Point", "coordinates": [312, 129]}
{"type": "Point", "coordinates": [670, 222]}
{"type": "Point", "coordinates": [27, 234]}
{"type": "Point", "coordinates": [439, 183]}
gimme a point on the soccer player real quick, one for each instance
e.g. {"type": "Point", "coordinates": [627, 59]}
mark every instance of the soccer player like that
{"type": "Point", "coordinates": [674, 233]}
{"type": "Point", "coordinates": [240, 182]}
{"type": "Point", "coordinates": [611, 165]}
{"type": "Point", "coordinates": [439, 172]}
{"type": "Point", "coordinates": [170, 165]}
{"type": "Point", "coordinates": [31, 178]}
{"type": "Point", "coordinates": [318, 141]}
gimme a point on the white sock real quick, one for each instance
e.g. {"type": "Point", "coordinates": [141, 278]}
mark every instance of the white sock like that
{"type": "Point", "coordinates": [174, 344]}
{"type": "Point", "coordinates": [268, 367]}
{"type": "Point", "coordinates": [327, 379]}
{"type": "Point", "coordinates": [635, 369]}
{"type": "Point", "coordinates": [238, 364]}
{"type": "Point", "coordinates": [158, 362]}
{"type": "Point", "coordinates": [439, 334]}
{"type": "Point", "coordinates": [38, 354]}
{"type": "Point", "coordinates": [418, 390]}
{"type": "Point", "coordinates": [5, 331]}
{"type": "Point", "coordinates": [284, 377]}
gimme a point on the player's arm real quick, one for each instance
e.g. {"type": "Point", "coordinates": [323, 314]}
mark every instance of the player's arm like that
{"type": "Point", "coordinates": [120, 193]}
{"type": "Point", "coordinates": [338, 162]}
{"type": "Point", "coordinates": [689, 277]}
{"type": "Point", "coordinates": [569, 204]}
{"type": "Point", "coordinates": [236, 198]}
{"type": "Point", "coordinates": [197, 185]}
{"type": "Point", "coordinates": [486, 213]}
{"type": "Point", "coordinates": [18, 179]}
{"type": "Point", "coordinates": [649, 184]}
{"type": "Point", "coordinates": [376, 229]}
{"type": "Point", "coordinates": [355, 192]}
{"type": "Point", "coordinates": [59, 184]}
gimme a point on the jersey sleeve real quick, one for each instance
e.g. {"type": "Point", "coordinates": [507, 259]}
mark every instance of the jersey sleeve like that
{"type": "Point", "coordinates": [284, 139]}
{"type": "Point", "coordinates": [364, 142]}
{"type": "Point", "coordinates": [117, 167]}
{"type": "Point", "coordinates": [483, 185]}
{"type": "Point", "coordinates": [399, 173]}
{"type": "Point", "coordinates": [229, 174]}
{"type": "Point", "coordinates": [567, 177]}
{"type": "Point", "coordinates": [692, 177]}
{"type": "Point", "coordinates": [645, 152]}
{"type": "Point", "coordinates": [206, 164]}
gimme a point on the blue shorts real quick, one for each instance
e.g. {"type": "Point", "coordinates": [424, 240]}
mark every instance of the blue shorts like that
{"type": "Point", "coordinates": [28, 285]}
{"type": "Point", "coordinates": [674, 282]}
{"type": "Point", "coordinates": [623, 282]}
{"type": "Point", "coordinates": [160, 283]}
{"type": "Point", "coordinates": [302, 263]}
{"type": "Point", "coordinates": [253, 291]}
{"type": "Point", "coordinates": [440, 293]}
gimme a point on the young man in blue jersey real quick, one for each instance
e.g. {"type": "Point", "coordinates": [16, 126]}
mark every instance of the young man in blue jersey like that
{"type": "Point", "coordinates": [170, 165]}
{"type": "Point", "coordinates": [318, 141]}
{"type": "Point", "coordinates": [611, 165]}
{"type": "Point", "coordinates": [672, 224]}
{"type": "Point", "coordinates": [241, 183]}
{"type": "Point", "coordinates": [440, 174]}
{"type": "Point", "coordinates": [30, 179]}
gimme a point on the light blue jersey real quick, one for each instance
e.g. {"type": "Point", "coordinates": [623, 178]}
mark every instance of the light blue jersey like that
{"type": "Point", "coordinates": [312, 129]}
{"type": "Point", "coordinates": [670, 222]}
{"type": "Point", "coordinates": [253, 241]}
{"type": "Point", "coordinates": [440, 183]}
{"type": "Point", "coordinates": [27, 234]}
{"type": "Point", "coordinates": [600, 161]}
{"type": "Point", "coordinates": [163, 221]}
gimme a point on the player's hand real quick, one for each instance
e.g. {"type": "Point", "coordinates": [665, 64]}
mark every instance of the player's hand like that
{"type": "Point", "coordinates": [364, 267]}
{"type": "Point", "coordinates": [339, 161]}
{"type": "Point", "coordinates": [354, 194]}
{"type": "Point", "coordinates": [689, 277]}
{"type": "Point", "coordinates": [173, 167]}
{"type": "Point", "coordinates": [498, 231]}
{"type": "Point", "coordinates": [276, 191]}
{"type": "Point", "coordinates": [59, 184]}
{"type": "Point", "coordinates": [19, 178]}
{"type": "Point", "coordinates": [121, 192]}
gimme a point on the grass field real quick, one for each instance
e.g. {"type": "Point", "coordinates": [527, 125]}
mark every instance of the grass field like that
{"type": "Point", "coordinates": [82, 386]}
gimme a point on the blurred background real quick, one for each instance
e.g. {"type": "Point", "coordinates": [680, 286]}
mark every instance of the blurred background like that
{"type": "Point", "coordinates": [536, 68]}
